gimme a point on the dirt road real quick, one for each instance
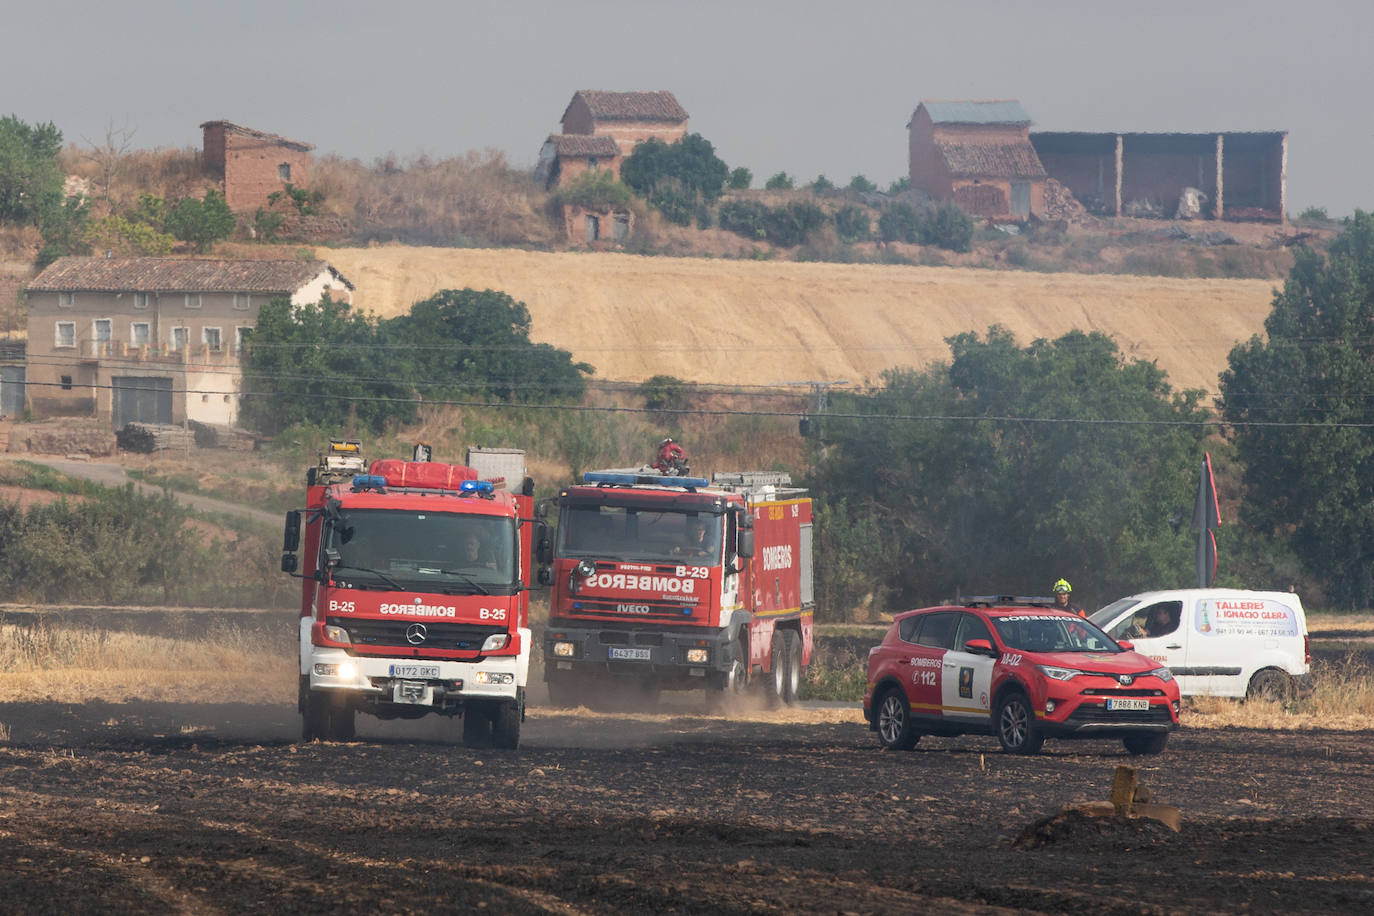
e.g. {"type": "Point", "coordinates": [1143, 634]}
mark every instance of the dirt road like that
{"type": "Point", "coordinates": [160, 808]}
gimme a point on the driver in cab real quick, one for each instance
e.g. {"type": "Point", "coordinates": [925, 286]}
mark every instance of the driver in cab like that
{"type": "Point", "coordinates": [698, 544]}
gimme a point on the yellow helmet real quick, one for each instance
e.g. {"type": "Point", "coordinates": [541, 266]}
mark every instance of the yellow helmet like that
{"type": "Point", "coordinates": [1062, 587]}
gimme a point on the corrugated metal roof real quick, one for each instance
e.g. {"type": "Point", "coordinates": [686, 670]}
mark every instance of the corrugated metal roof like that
{"type": "Point", "coordinates": [991, 160]}
{"type": "Point", "coordinates": [997, 111]}
{"type": "Point", "coordinates": [584, 145]}
{"type": "Point", "coordinates": [631, 106]}
{"type": "Point", "coordinates": [152, 275]}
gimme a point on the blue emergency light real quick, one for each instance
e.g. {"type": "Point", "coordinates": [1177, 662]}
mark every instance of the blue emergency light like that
{"type": "Point", "coordinates": [369, 482]}
{"type": "Point", "coordinates": [630, 479]}
{"type": "Point", "coordinates": [478, 487]}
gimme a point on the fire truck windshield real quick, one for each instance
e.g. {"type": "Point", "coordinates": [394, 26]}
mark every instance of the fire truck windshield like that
{"type": "Point", "coordinates": [430, 551]}
{"type": "Point", "coordinates": [629, 533]}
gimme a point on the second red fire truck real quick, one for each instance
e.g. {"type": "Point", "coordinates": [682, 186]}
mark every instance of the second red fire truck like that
{"type": "Point", "coordinates": [668, 581]}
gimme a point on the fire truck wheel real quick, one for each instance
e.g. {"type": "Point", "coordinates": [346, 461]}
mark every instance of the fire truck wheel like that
{"type": "Point", "coordinates": [793, 657]}
{"type": "Point", "coordinates": [727, 685]}
{"type": "Point", "coordinates": [777, 665]}
{"type": "Point", "coordinates": [476, 726]}
{"type": "Point", "coordinates": [505, 726]}
{"type": "Point", "coordinates": [323, 716]}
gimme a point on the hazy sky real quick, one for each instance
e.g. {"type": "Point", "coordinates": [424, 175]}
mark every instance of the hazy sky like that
{"type": "Point", "coordinates": [807, 88]}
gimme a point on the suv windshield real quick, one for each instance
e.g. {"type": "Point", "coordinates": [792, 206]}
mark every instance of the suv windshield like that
{"type": "Point", "coordinates": [430, 551]}
{"type": "Point", "coordinates": [629, 533]}
{"type": "Point", "coordinates": [1051, 633]}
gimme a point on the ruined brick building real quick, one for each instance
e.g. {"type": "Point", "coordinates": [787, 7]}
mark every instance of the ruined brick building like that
{"type": "Point", "coordinates": [251, 164]}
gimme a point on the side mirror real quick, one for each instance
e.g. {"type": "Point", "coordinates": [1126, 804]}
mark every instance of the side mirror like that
{"type": "Point", "coordinates": [288, 562]}
{"type": "Point", "coordinates": [745, 542]}
{"type": "Point", "coordinates": [331, 557]}
{"type": "Point", "coordinates": [543, 547]}
{"type": "Point", "coordinates": [291, 536]}
{"type": "Point", "coordinates": [1126, 644]}
{"type": "Point", "coordinates": [545, 575]}
{"type": "Point", "coordinates": [980, 647]}
{"type": "Point", "coordinates": [541, 511]}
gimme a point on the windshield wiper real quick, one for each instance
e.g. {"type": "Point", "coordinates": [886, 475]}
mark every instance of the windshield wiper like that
{"type": "Point", "coordinates": [466, 578]}
{"type": "Point", "coordinates": [376, 572]}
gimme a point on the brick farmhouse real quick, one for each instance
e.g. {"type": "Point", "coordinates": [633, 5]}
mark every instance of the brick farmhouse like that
{"type": "Point", "coordinates": [251, 164]}
{"type": "Point", "coordinates": [979, 155]}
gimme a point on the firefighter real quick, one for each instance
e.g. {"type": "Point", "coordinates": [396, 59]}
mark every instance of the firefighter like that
{"type": "Point", "coordinates": [698, 545]}
{"type": "Point", "coordinates": [1063, 593]}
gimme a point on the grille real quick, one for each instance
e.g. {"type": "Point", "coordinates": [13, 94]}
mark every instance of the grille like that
{"type": "Point", "coordinates": [1157, 714]}
{"type": "Point", "coordinates": [1122, 692]}
{"type": "Point", "coordinates": [465, 637]}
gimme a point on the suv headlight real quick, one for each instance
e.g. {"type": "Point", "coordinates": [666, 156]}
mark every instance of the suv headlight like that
{"type": "Point", "coordinates": [1059, 674]}
{"type": "Point", "coordinates": [1164, 674]}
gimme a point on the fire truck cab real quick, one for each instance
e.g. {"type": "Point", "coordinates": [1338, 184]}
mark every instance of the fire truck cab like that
{"type": "Point", "coordinates": [670, 582]}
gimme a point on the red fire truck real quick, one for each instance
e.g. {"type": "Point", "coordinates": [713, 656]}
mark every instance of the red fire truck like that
{"type": "Point", "coordinates": [671, 582]}
{"type": "Point", "coordinates": [415, 595]}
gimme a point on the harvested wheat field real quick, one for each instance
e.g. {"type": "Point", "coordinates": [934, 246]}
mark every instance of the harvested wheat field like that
{"type": "Point", "coordinates": [760, 323]}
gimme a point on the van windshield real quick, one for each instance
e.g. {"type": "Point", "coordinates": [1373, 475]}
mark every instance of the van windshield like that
{"type": "Point", "coordinates": [1109, 613]}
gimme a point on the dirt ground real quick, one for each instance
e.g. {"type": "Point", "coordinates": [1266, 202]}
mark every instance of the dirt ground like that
{"type": "Point", "coordinates": [743, 322]}
{"type": "Point", "coordinates": [214, 808]}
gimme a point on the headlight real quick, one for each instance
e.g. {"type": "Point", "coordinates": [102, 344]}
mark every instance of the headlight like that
{"type": "Point", "coordinates": [496, 641]}
{"type": "Point", "coordinates": [563, 649]}
{"type": "Point", "coordinates": [336, 634]}
{"type": "Point", "coordinates": [1059, 674]}
{"type": "Point", "coordinates": [495, 677]}
{"type": "Point", "coordinates": [344, 670]}
{"type": "Point", "coordinates": [697, 656]}
{"type": "Point", "coordinates": [1164, 674]}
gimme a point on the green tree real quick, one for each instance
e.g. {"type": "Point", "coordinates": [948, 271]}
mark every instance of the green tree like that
{"type": "Point", "coordinates": [62, 223]}
{"type": "Point", "coordinates": [948, 227]}
{"type": "Point", "coordinates": [690, 162]}
{"type": "Point", "coordinates": [822, 184]}
{"type": "Point", "coordinates": [599, 190]}
{"type": "Point", "coordinates": [852, 224]}
{"type": "Point", "coordinates": [899, 185]}
{"type": "Point", "coordinates": [1024, 471]}
{"type": "Point", "coordinates": [861, 184]}
{"type": "Point", "coordinates": [779, 182]}
{"type": "Point", "coordinates": [464, 341]}
{"type": "Point", "coordinates": [1299, 403]}
{"type": "Point", "coordinates": [321, 365]}
{"type": "Point", "coordinates": [30, 173]}
{"type": "Point", "coordinates": [740, 179]}
{"type": "Point", "coordinates": [201, 222]}
{"type": "Point", "coordinates": [748, 218]}
{"type": "Point", "coordinates": [900, 223]}
{"type": "Point", "coordinates": [127, 237]}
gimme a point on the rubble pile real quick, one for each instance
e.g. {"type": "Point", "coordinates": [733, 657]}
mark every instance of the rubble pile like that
{"type": "Point", "coordinates": [64, 436]}
{"type": "Point", "coordinates": [1060, 204]}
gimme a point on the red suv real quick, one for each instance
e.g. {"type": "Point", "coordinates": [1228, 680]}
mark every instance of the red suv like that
{"type": "Point", "coordinates": [1018, 669]}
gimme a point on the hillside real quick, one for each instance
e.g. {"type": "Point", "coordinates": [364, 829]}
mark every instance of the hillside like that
{"type": "Point", "coordinates": [766, 322]}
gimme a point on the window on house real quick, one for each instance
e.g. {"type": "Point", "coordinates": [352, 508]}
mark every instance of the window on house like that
{"type": "Point", "coordinates": [211, 338]}
{"type": "Point", "coordinates": [284, 171]}
{"type": "Point", "coordinates": [66, 334]}
{"type": "Point", "coordinates": [591, 163]}
{"type": "Point", "coordinates": [193, 300]}
{"type": "Point", "coordinates": [66, 300]}
{"type": "Point", "coordinates": [138, 334]}
{"type": "Point", "coordinates": [140, 300]}
{"type": "Point", "coordinates": [240, 336]}
{"type": "Point", "coordinates": [101, 329]}
{"type": "Point", "coordinates": [242, 301]}
{"type": "Point", "coordinates": [66, 382]}
{"type": "Point", "coordinates": [180, 338]}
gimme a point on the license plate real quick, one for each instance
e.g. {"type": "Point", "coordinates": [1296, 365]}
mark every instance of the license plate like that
{"type": "Point", "coordinates": [415, 671]}
{"type": "Point", "coordinates": [1128, 704]}
{"type": "Point", "coordinates": [638, 655]}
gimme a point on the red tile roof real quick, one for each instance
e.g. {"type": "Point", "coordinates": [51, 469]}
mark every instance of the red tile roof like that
{"type": "Point", "coordinates": [584, 145]}
{"type": "Point", "coordinates": [231, 127]}
{"type": "Point", "coordinates": [631, 106]}
{"type": "Point", "coordinates": [72, 274]}
{"type": "Point", "coordinates": [991, 160]}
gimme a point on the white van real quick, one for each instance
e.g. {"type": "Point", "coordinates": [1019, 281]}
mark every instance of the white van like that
{"type": "Point", "coordinates": [1218, 641]}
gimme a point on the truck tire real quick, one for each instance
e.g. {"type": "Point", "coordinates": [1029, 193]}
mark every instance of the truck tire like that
{"type": "Point", "coordinates": [777, 668]}
{"type": "Point", "coordinates": [325, 716]}
{"type": "Point", "coordinates": [792, 654]}
{"type": "Point", "coordinates": [1145, 743]}
{"type": "Point", "coordinates": [1015, 724]}
{"type": "Point", "coordinates": [505, 726]}
{"type": "Point", "coordinates": [476, 726]}
{"type": "Point", "coordinates": [1270, 684]}
{"type": "Point", "coordinates": [728, 685]}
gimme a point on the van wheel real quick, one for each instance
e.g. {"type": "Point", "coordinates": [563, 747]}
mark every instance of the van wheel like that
{"type": "Point", "coordinates": [1015, 721]}
{"type": "Point", "coordinates": [1148, 743]}
{"type": "Point", "coordinates": [792, 654]}
{"type": "Point", "coordinates": [894, 722]}
{"type": "Point", "coordinates": [1270, 684]}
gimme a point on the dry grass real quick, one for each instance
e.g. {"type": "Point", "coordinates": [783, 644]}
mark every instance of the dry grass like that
{"type": "Point", "coordinates": [73, 665]}
{"type": "Point", "coordinates": [1342, 698]}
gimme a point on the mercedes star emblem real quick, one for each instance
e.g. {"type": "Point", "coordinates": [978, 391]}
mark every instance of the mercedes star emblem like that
{"type": "Point", "coordinates": [416, 633]}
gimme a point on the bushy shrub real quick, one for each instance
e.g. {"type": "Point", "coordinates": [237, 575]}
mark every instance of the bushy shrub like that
{"type": "Point", "coordinates": [740, 179]}
{"type": "Point", "coordinates": [900, 223]}
{"type": "Point", "coordinates": [861, 184]}
{"type": "Point", "coordinates": [948, 227]}
{"type": "Point", "coordinates": [791, 223]}
{"type": "Point", "coordinates": [852, 224]}
{"type": "Point", "coordinates": [748, 218]}
{"type": "Point", "coordinates": [779, 182]}
{"type": "Point", "coordinates": [599, 190]}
